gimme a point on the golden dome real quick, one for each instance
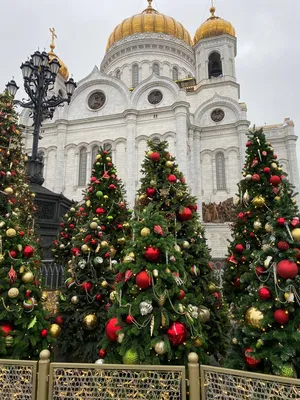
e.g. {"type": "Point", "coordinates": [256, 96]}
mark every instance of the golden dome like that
{"type": "Point", "coordinates": [213, 26]}
{"type": "Point", "coordinates": [149, 20]}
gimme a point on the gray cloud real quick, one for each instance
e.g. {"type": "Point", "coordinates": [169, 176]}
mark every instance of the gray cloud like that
{"type": "Point", "coordinates": [268, 57]}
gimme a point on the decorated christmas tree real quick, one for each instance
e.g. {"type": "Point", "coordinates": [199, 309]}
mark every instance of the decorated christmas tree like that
{"type": "Point", "coordinates": [267, 308]}
{"type": "Point", "coordinates": [62, 246]}
{"type": "Point", "coordinates": [151, 322]}
{"type": "Point", "coordinates": [24, 331]}
{"type": "Point", "coordinates": [163, 186]}
{"type": "Point", "coordinates": [97, 246]}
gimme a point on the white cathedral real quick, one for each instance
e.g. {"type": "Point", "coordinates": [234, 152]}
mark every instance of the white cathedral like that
{"type": "Point", "coordinates": [156, 82]}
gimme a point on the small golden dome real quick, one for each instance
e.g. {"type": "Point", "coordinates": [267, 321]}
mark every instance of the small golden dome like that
{"type": "Point", "coordinates": [149, 20]}
{"type": "Point", "coordinates": [213, 26]}
{"type": "Point", "coordinates": [63, 70]}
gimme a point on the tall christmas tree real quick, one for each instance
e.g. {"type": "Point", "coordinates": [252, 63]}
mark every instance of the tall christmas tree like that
{"type": "Point", "coordinates": [24, 331]}
{"type": "Point", "coordinates": [102, 231]}
{"type": "Point", "coordinates": [151, 322]}
{"type": "Point", "coordinates": [163, 185]}
{"type": "Point", "coordinates": [267, 308]}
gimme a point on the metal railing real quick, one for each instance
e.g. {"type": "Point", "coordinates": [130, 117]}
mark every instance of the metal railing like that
{"type": "Point", "coordinates": [53, 275]}
{"type": "Point", "coordinates": [228, 384]}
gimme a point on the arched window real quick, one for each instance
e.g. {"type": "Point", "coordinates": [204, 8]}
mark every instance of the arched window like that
{"type": "Point", "coordinates": [155, 68]}
{"type": "Point", "coordinates": [214, 65]}
{"type": "Point", "coordinates": [82, 167]}
{"type": "Point", "coordinates": [118, 74]}
{"type": "Point", "coordinates": [175, 74]}
{"type": "Point", "coordinates": [135, 75]}
{"type": "Point", "coordinates": [95, 151]}
{"type": "Point", "coordinates": [220, 171]}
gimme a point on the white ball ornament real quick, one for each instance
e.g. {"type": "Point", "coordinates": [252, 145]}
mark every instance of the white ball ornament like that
{"type": "Point", "coordinates": [160, 347]}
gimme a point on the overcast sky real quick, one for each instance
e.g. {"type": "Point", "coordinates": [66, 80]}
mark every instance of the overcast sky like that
{"type": "Point", "coordinates": [268, 31]}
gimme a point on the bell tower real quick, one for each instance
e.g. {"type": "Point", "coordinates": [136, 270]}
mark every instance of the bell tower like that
{"type": "Point", "coordinates": [215, 50]}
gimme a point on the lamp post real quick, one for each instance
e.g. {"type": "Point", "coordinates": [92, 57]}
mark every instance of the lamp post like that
{"type": "Point", "coordinates": [39, 75]}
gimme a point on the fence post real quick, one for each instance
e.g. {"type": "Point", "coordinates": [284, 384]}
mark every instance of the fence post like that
{"type": "Point", "coordinates": [43, 375]}
{"type": "Point", "coordinates": [194, 376]}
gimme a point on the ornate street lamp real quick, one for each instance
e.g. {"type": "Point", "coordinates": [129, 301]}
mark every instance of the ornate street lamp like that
{"type": "Point", "coordinates": [39, 75]}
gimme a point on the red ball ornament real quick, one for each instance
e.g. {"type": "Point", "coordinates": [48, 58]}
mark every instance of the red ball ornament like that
{"type": "Point", "coordinates": [239, 248]}
{"type": "Point", "coordinates": [28, 251]}
{"type": "Point", "coordinates": [181, 294]}
{"type": "Point", "coordinates": [143, 280]}
{"type": "Point", "coordinates": [129, 319]}
{"type": "Point", "coordinates": [112, 328]}
{"type": "Point", "coordinates": [275, 180]}
{"type": "Point", "coordinates": [177, 333]}
{"type": "Point", "coordinates": [59, 320]}
{"type": "Point", "coordinates": [297, 253]}
{"type": "Point", "coordinates": [155, 156]}
{"type": "Point", "coordinates": [98, 297]}
{"type": "Point", "coordinates": [259, 270]}
{"type": "Point", "coordinates": [281, 316]}
{"type": "Point", "coordinates": [250, 361]}
{"type": "Point", "coordinates": [172, 178]}
{"type": "Point", "coordinates": [255, 178]}
{"type": "Point", "coordinates": [282, 245]}
{"type": "Point", "coordinates": [193, 207]}
{"type": "Point", "coordinates": [185, 215]}
{"type": "Point", "coordinates": [86, 286]}
{"type": "Point", "coordinates": [237, 282]}
{"type": "Point", "coordinates": [252, 235]}
{"type": "Point", "coordinates": [44, 333]}
{"type": "Point", "coordinates": [248, 144]}
{"type": "Point", "coordinates": [21, 233]}
{"type": "Point", "coordinates": [75, 251]}
{"type": "Point", "coordinates": [6, 328]}
{"type": "Point", "coordinates": [93, 179]}
{"type": "Point", "coordinates": [100, 211]}
{"type": "Point", "coordinates": [102, 353]}
{"type": "Point", "coordinates": [150, 192]}
{"type": "Point", "coordinates": [112, 187]}
{"type": "Point", "coordinates": [280, 221]}
{"type": "Point", "coordinates": [264, 293]}
{"type": "Point", "coordinates": [152, 254]}
{"type": "Point", "coordinates": [267, 170]}
{"type": "Point", "coordinates": [287, 269]}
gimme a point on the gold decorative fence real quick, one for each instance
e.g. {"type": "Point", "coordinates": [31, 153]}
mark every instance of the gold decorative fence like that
{"type": "Point", "coordinates": [228, 384]}
{"type": "Point", "coordinates": [18, 380]}
{"type": "Point", "coordinates": [117, 382]}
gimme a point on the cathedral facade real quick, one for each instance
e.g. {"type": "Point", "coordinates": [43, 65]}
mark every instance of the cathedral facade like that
{"type": "Point", "coordinates": [156, 82]}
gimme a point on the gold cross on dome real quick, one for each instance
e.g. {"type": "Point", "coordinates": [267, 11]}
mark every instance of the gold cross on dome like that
{"type": "Point", "coordinates": [149, 3]}
{"type": "Point", "coordinates": [52, 30]}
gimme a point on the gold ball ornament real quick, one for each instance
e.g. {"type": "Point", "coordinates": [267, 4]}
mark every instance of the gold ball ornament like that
{"type": "Point", "coordinates": [89, 322]}
{"type": "Point", "coordinates": [254, 317]}
{"type": "Point", "coordinates": [169, 164]}
{"type": "Point", "coordinates": [277, 198]}
{"type": "Point", "coordinates": [257, 225]}
{"type": "Point", "coordinates": [142, 197]}
{"type": "Point", "coordinates": [11, 232]}
{"type": "Point", "coordinates": [108, 159]}
{"type": "Point", "coordinates": [104, 284]}
{"type": "Point", "coordinates": [235, 341]}
{"type": "Point", "coordinates": [74, 300]}
{"type": "Point", "coordinates": [197, 342]}
{"type": "Point", "coordinates": [258, 201]}
{"type": "Point", "coordinates": [160, 347]}
{"type": "Point", "coordinates": [8, 190]}
{"type": "Point", "coordinates": [98, 156]}
{"type": "Point", "coordinates": [204, 314]}
{"type": "Point", "coordinates": [113, 296]}
{"type": "Point", "coordinates": [149, 154]}
{"type": "Point", "coordinates": [153, 183]}
{"type": "Point", "coordinates": [13, 293]}
{"type": "Point", "coordinates": [128, 259]}
{"type": "Point", "coordinates": [121, 240]}
{"type": "Point", "coordinates": [72, 209]}
{"type": "Point", "coordinates": [185, 244]}
{"type": "Point", "coordinates": [85, 248]}
{"type": "Point", "coordinates": [88, 203]}
{"type": "Point", "coordinates": [212, 287]}
{"type": "Point", "coordinates": [104, 244]}
{"type": "Point", "coordinates": [296, 234]}
{"type": "Point", "coordinates": [145, 232]}
{"type": "Point", "coordinates": [274, 165]}
{"type": "Point", "coordinates": [28, 277]}
{"type": "Point", "coordinates": [93, 225]}
{"type": "Point", "coordinates": [268, 227]}
{"type": "Point", "coordinates": [294, 201]}
{"type": "Point", "coordinates": [1, 258]}
{"type": "Point", "coordinates": [55, 330]}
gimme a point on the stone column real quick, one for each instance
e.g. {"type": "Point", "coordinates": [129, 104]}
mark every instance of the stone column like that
{"type": "Point", "coordinates": [292, 157]}
{"type": "Point", "coordinates": [242, 131]}
{"type": "Point", "coordinates": [191, 162]}
{"type": "Point", "coordinates": [181, 115]}
{"type": "Point", "coordinates": [88, 164]}
{"type": "Point", "coordinates": [131, 156]}
{"type": "Point", "coordinates": [197, 174]}
{"type": "Point", "coordinates": [60, 158]}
